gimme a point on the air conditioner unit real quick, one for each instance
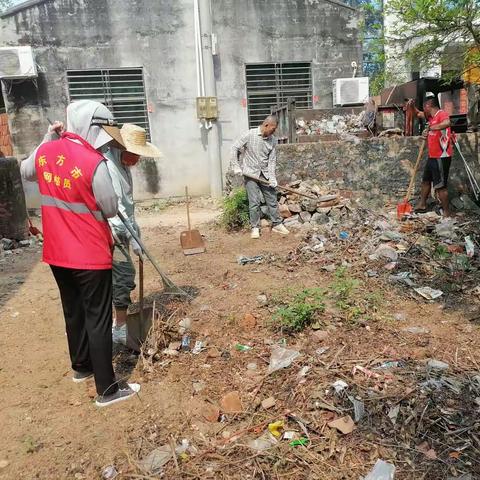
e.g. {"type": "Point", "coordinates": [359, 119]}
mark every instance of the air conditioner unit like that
{"type": "Point", "coordinates": [350, 91]}
{"type": "Point", "coordinates": [17, 63]}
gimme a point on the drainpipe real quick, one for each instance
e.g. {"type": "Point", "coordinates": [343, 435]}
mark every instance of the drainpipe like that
{"type": "Point", "coordinates": [213, 134]}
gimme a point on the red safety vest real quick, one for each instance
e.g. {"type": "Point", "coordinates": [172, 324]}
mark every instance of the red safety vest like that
{"type": "Point", "coordinates": [75, 233]}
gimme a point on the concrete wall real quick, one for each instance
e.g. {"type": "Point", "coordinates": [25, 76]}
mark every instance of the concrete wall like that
{"type": "Point", "coordinates": [159, 35]}
{"type": "Point", "coordinates": [376, 169]}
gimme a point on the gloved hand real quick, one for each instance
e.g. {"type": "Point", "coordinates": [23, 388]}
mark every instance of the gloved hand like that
{"type": "Point", "coordinates": [274, 183]}
{"type": "Point", "coordinates": [237, 171]}
{"type": "Point", "coordinates": [56, 127]}
{"type": "Point", "coordinates": [137, 249]}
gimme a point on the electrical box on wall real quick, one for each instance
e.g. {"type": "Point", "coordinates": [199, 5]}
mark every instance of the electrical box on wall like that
{"type": "Point", "coordinates": [17, 63]}
{"type": "Point", "coordinates": [207, 108]}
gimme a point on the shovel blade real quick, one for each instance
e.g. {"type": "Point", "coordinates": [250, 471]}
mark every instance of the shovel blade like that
{"type": "Point", "coordinates": [192, 242]}
{"type": "Point", "coordinates": [403, 209]}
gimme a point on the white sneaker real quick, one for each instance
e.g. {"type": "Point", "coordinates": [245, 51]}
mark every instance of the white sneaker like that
{"type": "Point", "coordinates": [280, 228]}
{"type": "Point", "coordinates": [255, 233]}
{"type": "Point", "coordinates": [119, 334]}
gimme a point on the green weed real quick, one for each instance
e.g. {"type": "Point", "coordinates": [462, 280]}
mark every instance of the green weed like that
{"type": "Point", "coordinates": [235, 210]}
{"type": "Point", "coordinates": [299, 311]}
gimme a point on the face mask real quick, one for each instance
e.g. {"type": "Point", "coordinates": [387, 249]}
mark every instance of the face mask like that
{"type": "Point", "coordinates": [130, 159]}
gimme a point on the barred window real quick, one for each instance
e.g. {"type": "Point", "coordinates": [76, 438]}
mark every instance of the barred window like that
{"type": "Point", "coordinates": [270, 84]}
{"type": "Point", "coordinates": [121, 90]}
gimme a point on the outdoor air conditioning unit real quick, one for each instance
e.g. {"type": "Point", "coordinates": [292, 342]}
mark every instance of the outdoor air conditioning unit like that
{"type": "Point", "coordinates": [350, 91]}
{"type": "Point", "coordinates": [17, 63]}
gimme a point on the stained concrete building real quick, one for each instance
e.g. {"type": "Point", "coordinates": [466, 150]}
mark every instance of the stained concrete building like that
{"type": "Point", "coordinates": [139, 57]}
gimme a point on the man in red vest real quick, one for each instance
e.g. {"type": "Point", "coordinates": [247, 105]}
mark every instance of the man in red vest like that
{"type": "Point", "coordinates": [77, 197]}
{"type": "Point", "coordinates": [440, 150]}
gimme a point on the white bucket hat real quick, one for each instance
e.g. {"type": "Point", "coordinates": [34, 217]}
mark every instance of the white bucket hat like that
{"type": "Point", "coordinates": [135, 141]}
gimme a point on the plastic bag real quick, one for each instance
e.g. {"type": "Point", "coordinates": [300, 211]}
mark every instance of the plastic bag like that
{"type": "Point", "coordinates": [281, 358]}
{"type": "Point", "coordinates": [382, 471]}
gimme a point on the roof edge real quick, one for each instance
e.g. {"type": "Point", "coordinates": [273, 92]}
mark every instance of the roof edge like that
{"type": "Point", "coordinates": [23, 6]}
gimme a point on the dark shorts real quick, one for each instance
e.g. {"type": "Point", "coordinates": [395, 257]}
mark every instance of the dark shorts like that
{"type": "Point", "coordinates": [436, 172]}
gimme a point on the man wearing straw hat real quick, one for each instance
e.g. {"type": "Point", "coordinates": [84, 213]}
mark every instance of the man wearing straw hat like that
{"type": "Point", "coordinates": [134, 138]}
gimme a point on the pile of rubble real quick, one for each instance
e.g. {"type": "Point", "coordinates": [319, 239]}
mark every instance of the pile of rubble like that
{"type": "Point", "coordinates": [431, 256]}
{"type": "Point", "coordinates": [310, 206]}
{"type": "Point", "coordinates": [10, 247]}
{"type": "Point", "coordinates": [337, 124]}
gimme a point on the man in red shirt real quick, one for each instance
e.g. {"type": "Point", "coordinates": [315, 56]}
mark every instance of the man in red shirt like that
{"type": "Point", "coordinates": [440, 149]}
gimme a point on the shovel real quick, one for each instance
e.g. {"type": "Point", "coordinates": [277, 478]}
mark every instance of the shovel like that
{"type": "Point", "coordinates": [191, 240]}
{"type": "Point", "coordinates": [405, 208]}
{"type": "Point", "coordinates": [170, 287]}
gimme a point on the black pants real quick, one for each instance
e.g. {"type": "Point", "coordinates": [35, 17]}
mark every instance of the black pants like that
{"type": "Point", "coordinates": [87, 306]}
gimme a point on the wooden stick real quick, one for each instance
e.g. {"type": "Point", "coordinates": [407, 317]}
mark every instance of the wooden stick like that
{"type": "Point", "coordinates": [140, 274]}
{"type": "Point", "coordinates": [414, 173]}
{"type": "Point", "coordinates": [287, 189]}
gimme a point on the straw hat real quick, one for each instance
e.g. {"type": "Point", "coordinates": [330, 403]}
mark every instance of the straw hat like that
{"type": "Point", "coordinates": [135, 141]}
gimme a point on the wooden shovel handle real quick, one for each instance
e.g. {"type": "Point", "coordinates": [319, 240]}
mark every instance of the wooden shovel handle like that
{"type": "Point", "coordinates": [188, 207]}
{"type": "Point", "coordinates": [291, 190]}
{"type": "Point", "coordinates": [415, 169]}
{"type": "Point", "coordinates": [140, 274]}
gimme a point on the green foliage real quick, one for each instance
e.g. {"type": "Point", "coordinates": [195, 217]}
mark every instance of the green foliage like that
{"type": "Point", "coordinates": [299, 311]}
{"type": "Point", "coordinates": [4, 4]}
{"type": "Point", "coordinates": [235, 210]}
{"type": "Point", "coordinates": [438, 31]}
{"type": "Point", "coordinates": [344, 287]}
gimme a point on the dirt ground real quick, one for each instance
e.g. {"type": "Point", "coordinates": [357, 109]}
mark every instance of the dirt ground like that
{"type": "Point", "coordinates": [52, 430]}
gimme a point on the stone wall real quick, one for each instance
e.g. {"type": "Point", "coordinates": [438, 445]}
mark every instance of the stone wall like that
{"type": "Point", "coordinates": [375, 169]}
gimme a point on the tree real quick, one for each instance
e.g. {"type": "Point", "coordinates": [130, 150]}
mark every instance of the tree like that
{"type": "Point", "coordinates": [373, 44]}
{"type": "Point", "coordinates": [4, 4]}
{"type": "Point", "coordinates": [432, 32]}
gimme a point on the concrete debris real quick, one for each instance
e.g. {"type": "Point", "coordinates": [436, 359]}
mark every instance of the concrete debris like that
{"type": "Point", "coordinates": [337, 124]}
{"type": "Point", "coordinates": [231, 403]}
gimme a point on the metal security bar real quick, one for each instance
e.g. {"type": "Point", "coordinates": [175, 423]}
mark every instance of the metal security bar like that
{"type": "Point", "coordinates": [271, 84]}
{"type": "Point", "coordinates": [121, 90]}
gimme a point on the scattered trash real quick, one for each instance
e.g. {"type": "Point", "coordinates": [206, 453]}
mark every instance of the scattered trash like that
{"type": "Point", "coordinates": [262, 299]}
{"type": "Point", "coordinates": [469, 247]}
{"type": "Point", "coordinates": [198, 347]}
{"type": "Point", "coordinates": [300, 442]}
{"type": "Point", "coordinates": [289, 435]}
{"type": "Point", "coordinates": [109, 473]}
{"type": "Point", "coordinates": [281, 358]}
{"type": "Point", "coordinates": [242, 348]}
{"type": "Point", "coordinates": [358, 408]}
{"type": "Point", "coordinates": [303, 372]}
{"type": "Point", "coordinates": [275, 427]}
{"type": "Point", "coordinates": [264, 442]}
{"type": "Point", "coordinates": [185, 343]}
{"type": "Point", "coordinates": [393, 414]}
{"type": "Point", "coordinates": [429, 293]}
{"type": "Point", "coordinates": [156, 459]}
{"type": "Point", "coordinates": [446, 228]}
{"type": "Point", "coordinates": [385, 252]}
{"type": "Point", "coordinates": [184, 325]}
{"type": "Point", "coordinates": [344, 425]}
{"type": "Point", "coordinates": [343, 235]}
{"type": "Point", "coordinates": [268, 403]}
{"type": "Point", "coordinates": [403, 277]}
{"type": "Point", "coordinates": [243, 260]}
{"type": "Point", "coordinates": [322, 350]}
{"type": "Point", "coordinates": [252, 366]}
{"type": "Point", "coordinates": [437, 365]}
{"type": "Point", "coordinates": [416, 330]}
{"type": "Point", "coordinates": [381, 471]}
{"type": "Point", "coordinates": [339, 386]}
{"type": "Point", "coordinates": [391, 364]}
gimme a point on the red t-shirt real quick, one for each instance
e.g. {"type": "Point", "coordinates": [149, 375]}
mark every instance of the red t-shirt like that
{"type": "Point", "coordinates": [439, 141]}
